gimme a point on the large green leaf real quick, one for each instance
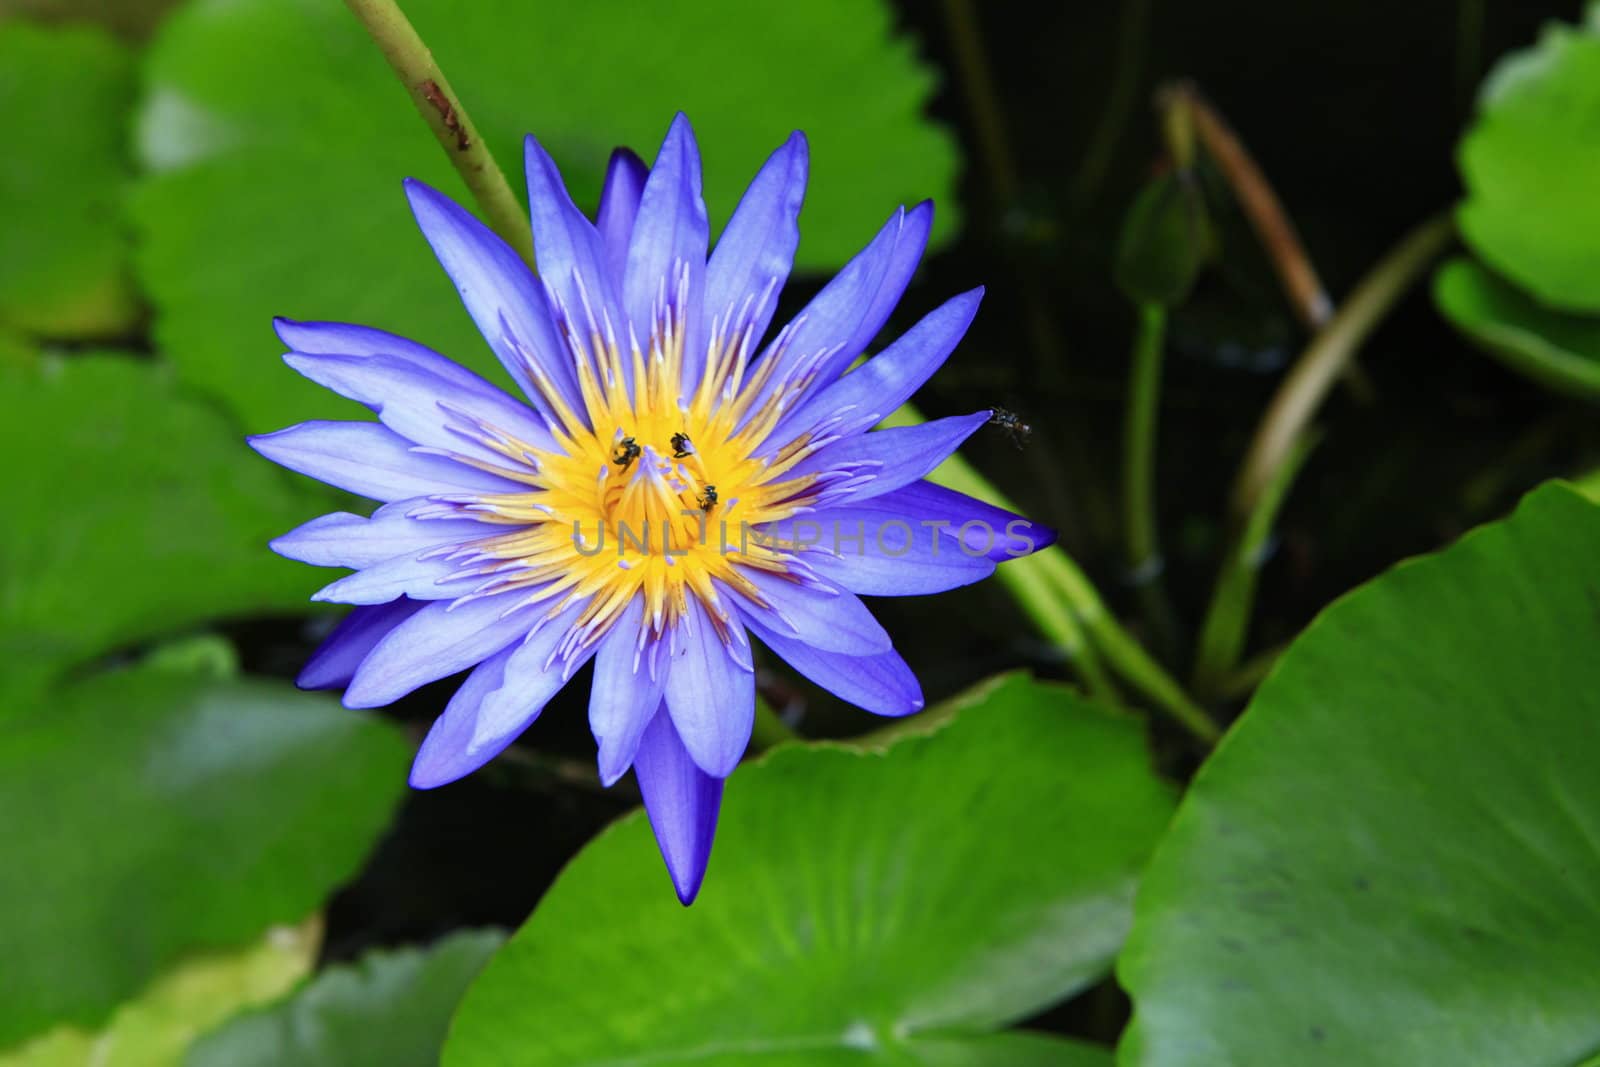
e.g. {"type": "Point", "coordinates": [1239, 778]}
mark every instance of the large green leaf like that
{"type": "Point", "coordinates": [858, 902]}
{"type": "Point", "coordinates": [155, 1029]}
{"type": "Point", "coordinates": [65, 95]}
{"type": "Point", "coordinates": [282, 137]}
{"type": "Point", "coordinates": [1531, 164]}
{"type": "Point", "coordinates": [1394, 857]}
{"type": "Point", "coordinates": [389, 1010]}
{"type": "Point", "coordinates": [131, 511]}
{"type": "Point", "coordinates": [149, 812]}
{"type": "Point", "coordinates": [1555, 348]}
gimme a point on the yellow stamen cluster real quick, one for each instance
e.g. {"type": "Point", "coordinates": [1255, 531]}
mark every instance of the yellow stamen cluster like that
{"type": "Point", "coordinates": [650, 489]}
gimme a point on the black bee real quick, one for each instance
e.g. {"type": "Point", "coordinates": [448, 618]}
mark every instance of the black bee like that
{"type": "Point", "coordinates": [1012, 424]}
{"type": "Point", "coordinates": [682, 448]}
{"type": "Point", "coordinates": [626, 451]}
{"type": "Point", "coordinates": [708, 499]}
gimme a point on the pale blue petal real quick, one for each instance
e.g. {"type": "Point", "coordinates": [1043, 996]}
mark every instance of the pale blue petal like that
{"type": "Point", "coordinates": [334, 662]}
{"type": "Point", "coordinates": [834, 620]}
{"type": "Point", "coordinates": [670, 232]}
{"type": "Point", "coordinates": [373, 461]}
{"type": "Point", "coordinates": [875, 463]}
{"type": "Point", "coordinates": [681, 801]}
{"type": "Point", "coordinates": [625, 692]}
{"type": "Point", "coordinates": [499, 291]}
{"type": "Point", "coordinates": [877, 388]}
{"type": "Point", "coordinates": [619, 205]}
{"type": "Point", "coordinates": [756, 250]}
{"type": "Point", "coordinates": [478, 724]}
{"type": "Point", "coordinates": [341, 539]}
{"type": "Point", "coordinates": [876, 548]}
{"type": "Point", "coordinates": [710, 694]}
{"type": "Point", "coordinates": [429, 409]}
{"type": "Point", "coordinates": [880, 683]}
{"type": "Point", "coordinates": [436, 642]}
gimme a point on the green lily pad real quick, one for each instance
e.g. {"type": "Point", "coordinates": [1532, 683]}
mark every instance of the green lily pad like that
{"type": "Point", "coordinates": [391, 1008]}
{"type": "Point", "coordinates": [1554, 348]}
{"type": "Point", "coordinates": [1531, 165]}
{"type": "Point", "coordinates": [155, 1029]}
{"type": "Point", "coordinates": [280, 137]}
{"type": "Point", "coordinates": [148, 813]}
{"type": "Point", "coordinates": [65, 97]}
{"type": "Point", "coordinates": [1394, 856]}
{"type": "Point", "coordinates": [858, 902]}
{"type": "Point", "coordinates": [132, 511]}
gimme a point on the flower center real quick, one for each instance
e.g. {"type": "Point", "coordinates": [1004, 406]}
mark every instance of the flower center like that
{"type": "Point", "coordinates": [660, 483]}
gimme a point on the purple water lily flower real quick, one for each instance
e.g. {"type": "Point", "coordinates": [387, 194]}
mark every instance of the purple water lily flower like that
{"type": "Point", "coordinates": [668, 488]}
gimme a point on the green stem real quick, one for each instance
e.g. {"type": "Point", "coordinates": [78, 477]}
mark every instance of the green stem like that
{"type": "Point", "coordinates": [447, 118]}
{"type": "Point", "coordinates": [1139, 445]}
{"type": "Point", "coordinates": [1066, 607]}
{"type": "Point", "coordinates": [1227, 623]}
{"type": "Point", "coordinates": [1319, 366]}
{"type": "Point", "coordinates": [1125, 655]}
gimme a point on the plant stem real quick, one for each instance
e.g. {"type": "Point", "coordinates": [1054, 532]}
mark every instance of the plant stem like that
{"type": "Point", "coordinates": [1141, 541]}
{"type": "Point", "coordinates": [1066, 607]}
{"type": "Point", "coordinates": [1139, 425]}
{"type": "Point", "coordinates": [1258, 201]}
{"type": "Point", "coordinates": [447, 118]}
{"type": "Point", "coordinates": [1222, 637]}
{"type": "Point", "coordinates": [1330, 351]}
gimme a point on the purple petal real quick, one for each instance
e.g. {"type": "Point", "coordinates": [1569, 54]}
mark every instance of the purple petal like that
{"type": "Point", "coordinates": [874, 390]}
{"type": "Point", "coordinates": [881, 683]}
{"type": "Point", "coordinates": [334, 662]}
{"type": "Point", "coordinates": [885, 460]}
{"type": "Point", "coordinates": [619, 204]}
{"type": "Point", "coordinates": [756, 250]}
{"type": "Point", "coordinates": [850, 310]}
{"type": "Point", "coordinates": [1012, 535]}
{"type": "Point", "coordinates": [572, 257]}
{"type": "Point", "coordinates": [341, 539]}
{"type": "Point", "coordinates": [441, 639]}
{"type": "Point", "coordinates": [499, 291]}
{"type": "Point", "coordinates": [427, 408]}
{"type": "Point", "coordinates": [834, 620]}
{"type": "Point", "coordinates": [709, 693]}
{"type": "Point", "coordinates": [877, 549]}
{"type": "Point", "coordinates": [343, 339]}
{"type": "Point", "coordinates": [419, 579]}
{"type": "Point", "coordinates": [372, 461]}
{"type": "Point", "coordinates": [498, 701]}
{"type": "Point", "coordinates": [682, 802]}
{"type": "Point", "coordinates": [626, 691]}
{"type": "Point", "coordinates": [670, 232]}
{"type": "Point", "coordinates": [447, 737]}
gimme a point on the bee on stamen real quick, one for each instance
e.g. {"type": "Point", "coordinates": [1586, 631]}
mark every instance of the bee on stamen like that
{"type": "Point", "coordinates": [682, 448]}
{"type": "Point", "coordinates": [625, 452]}
{"type": "Point", "coordinates": [1015, 429]}
{"type": "Point", "coordinates": [708, 499]}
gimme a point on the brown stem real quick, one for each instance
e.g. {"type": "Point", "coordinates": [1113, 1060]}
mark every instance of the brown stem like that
{"type": "Point", "coordinates": [1302, 391]}
{"type": "Point", "coordinates": [1259, 202]}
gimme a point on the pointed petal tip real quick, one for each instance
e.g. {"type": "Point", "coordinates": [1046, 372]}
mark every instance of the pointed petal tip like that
{"type": "Point", "coordinates": [283, 324]}
{"type": "Point", "coordinates": [424, 775]}
{"type": "Point", "coordinates": [688, 888]}
{"type": "Point", "coordinates": [309, 680]}
{"type": "Point", "coordinates": [358, 698]}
